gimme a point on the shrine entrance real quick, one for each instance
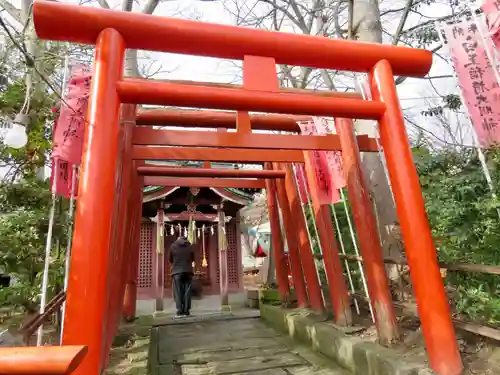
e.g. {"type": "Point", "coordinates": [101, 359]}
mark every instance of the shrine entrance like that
{"type": "Point", "coordinates": [180, 205]}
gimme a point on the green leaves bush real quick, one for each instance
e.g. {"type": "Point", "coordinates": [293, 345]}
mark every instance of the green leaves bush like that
{"type": "Point", "coordinates": [24, 223]}
{"type": "Point", "coordinates": [25, 203]}
{"type": "Point", "coordinates": [465, 223]}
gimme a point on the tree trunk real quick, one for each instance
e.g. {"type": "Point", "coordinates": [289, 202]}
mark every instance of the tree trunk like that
{"type": "Point", "coordinates": [131, 60]}
{"type": "Point", "coordinates": [367, 27]}
{"type": "Point", "coordinates": [131, 63]}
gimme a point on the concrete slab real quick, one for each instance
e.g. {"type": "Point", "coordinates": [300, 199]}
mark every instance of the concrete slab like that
{"type": "Point", "coordinates": [209, 303]}
{"type": "Point", "coordinates": [171, 319]}
{"type": "Point", "coordinates": [241, 346]}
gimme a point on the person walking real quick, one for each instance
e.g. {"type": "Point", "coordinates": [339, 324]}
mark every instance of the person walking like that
{"type": "Point", "coordinates": [182, 258]}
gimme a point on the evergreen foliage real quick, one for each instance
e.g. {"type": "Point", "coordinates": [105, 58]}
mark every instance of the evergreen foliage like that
{"type": "Point", "coordinates": [465, 225]}
{"type": "Point", "coordinates": [25, 203]}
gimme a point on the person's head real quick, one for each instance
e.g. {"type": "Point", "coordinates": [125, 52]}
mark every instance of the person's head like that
{"type": "Point", "coordinates": [183, 240]}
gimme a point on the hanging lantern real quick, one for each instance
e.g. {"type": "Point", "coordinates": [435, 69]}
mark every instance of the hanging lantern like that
{"type": "Point", "coordinates": [212, 230]}
{"type": "Point", "coordinates": [172, 230]}
{"type": "Point", "coordinates": [185, 232]}
{"type": "Point", "coordinates": [179, 229]}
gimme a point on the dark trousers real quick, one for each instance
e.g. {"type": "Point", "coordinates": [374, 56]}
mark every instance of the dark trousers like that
{"type": "Point", "coordinates": [182, 292]}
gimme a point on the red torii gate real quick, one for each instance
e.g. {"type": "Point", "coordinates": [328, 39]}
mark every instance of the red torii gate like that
{"type": "Point", "coordinates": [108, 212]}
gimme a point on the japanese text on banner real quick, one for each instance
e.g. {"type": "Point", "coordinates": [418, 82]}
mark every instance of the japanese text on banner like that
{"type": "Point", "coordinates": [63, 171]}
{"type": "Point", "coordinates": [334, 158]}
{"type": "Point", "coordinates": [327, 193]}
{"type": "Point", "coordinates": [476, 79]}
{"type": "Point", "coordinates": [68, 135]}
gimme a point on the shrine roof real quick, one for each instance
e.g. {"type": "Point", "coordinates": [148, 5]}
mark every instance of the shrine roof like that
{"type": "Point", "coordinates": [236, 195]}
{"type": "Point", "coordinates": [240, 196]}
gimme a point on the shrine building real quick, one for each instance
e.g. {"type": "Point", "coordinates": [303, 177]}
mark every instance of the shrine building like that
{"type": "Point", "coordinates": [192, 213]}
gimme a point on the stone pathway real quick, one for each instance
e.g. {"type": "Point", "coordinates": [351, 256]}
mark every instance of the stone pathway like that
{"type": "Point", "coordinates": [240, 346]}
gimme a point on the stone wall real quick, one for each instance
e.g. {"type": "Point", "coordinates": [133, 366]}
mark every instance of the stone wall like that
{"type": "Point", "coordinates": [353, 353]}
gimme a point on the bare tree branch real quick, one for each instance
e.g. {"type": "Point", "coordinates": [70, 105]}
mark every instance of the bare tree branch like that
{"type": "Point", "coordinates": [299, 17]}
{"type": "Point", "coordinates": [11, 9]}
{"type": "Point", "coordinates": [316, 8]}
{"type": "Point", "coordinates": [431, 22]}
{"type": "Point", "coordinates": [402, 22]}
{"type": "Point", "coordinates": [300, 24]}
{"type": "Point", "coordinates": [127, 5]}
{"type": "Point", "coordinates": [150, 6]}
{"type": "Point", "coordinates": [327, 79]}
{"type": "Point", "coordinates": [287, 72]}
{"type": "Point", "coordinates": [350, 18]}
{"type": "Point", "coordinates": [103, 3]}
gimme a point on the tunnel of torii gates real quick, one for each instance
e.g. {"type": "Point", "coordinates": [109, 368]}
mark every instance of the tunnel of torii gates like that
{"type": "Point", "coordinates": [120, 139]}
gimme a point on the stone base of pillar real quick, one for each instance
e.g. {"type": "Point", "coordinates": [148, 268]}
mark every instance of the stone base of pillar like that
{"type": "Point", "coordinates": [159, 307]}
{"type": "Point", "coordinates": [160, 314]}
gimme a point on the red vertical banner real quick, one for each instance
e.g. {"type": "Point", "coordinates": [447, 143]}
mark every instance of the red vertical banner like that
{"type": "Point", "coordinates": [327, 192]}
{"type": "Point", "coordinates": [68, 135]}
{"type": "Point", "coordinates": [62, 172]}
{"type": "Point", "coordinates": [334, 158]}
{"type": "Point", "coordinates": [491, 9]}
{"type": "Point", "coordinates": [476, 79]}
{"type": "Point", "coordinates": [69, 130]}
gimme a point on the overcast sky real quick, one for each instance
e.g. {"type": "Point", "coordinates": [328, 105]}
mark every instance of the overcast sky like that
{"type": "Point", "coordinates": [416, 95]}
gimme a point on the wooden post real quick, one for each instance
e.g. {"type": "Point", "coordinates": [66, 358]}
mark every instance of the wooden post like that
{"type": "Point", "coordinates": [306, 254]}
{"type": "Point", "coordinates": [333, 268]}
{"type": "Point", "coordinates": [130, 294]}
{"type": "Point", "coordinates": [91, 266]}
{"type": "Point", "coordinates": [222, 248]}
{"type": "Point", "coordinates": [432, 301]}
{"type": "Point", "coordinates": [122, 214]}
{"type": "Point", "coordinates": [293, 244]}
{"type": "Point", "coordinates": [160, 258]}
{"type": "Point", "coordinates": [277, 240]}
{"type": "Point", "coordinates": [369, 240]}
{"type": "Point", "coordinates": [129, 213]}
{"type": "Point", "coordinates": [239, 255]}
